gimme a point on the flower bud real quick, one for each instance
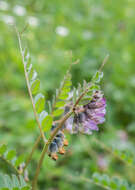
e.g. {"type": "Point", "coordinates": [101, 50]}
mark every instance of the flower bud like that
{"type": "Point", "coordinates": [62, 150]}
{"type": "Point", "coordinates": [65, 142]}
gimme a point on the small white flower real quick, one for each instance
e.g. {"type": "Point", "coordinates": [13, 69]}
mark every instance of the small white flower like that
{"type": "Point", "coordinates": [4, 5]}
{"type": "Point", "coordinates": [87, 35]}
{"type": "Point", "coordinates": [33, 21]}
{"type": "Point", "coordinates": [19, 10]}
{"type": "Point", "coordinates": [62, 31]}
{"type": "Point", "coordinates": [8, 19]}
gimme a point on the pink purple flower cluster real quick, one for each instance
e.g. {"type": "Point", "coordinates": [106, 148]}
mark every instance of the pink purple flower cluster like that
{"type": "Point", "coordinates": [91, 115]}
{"type": "Point", "coordinates": [85, 120]}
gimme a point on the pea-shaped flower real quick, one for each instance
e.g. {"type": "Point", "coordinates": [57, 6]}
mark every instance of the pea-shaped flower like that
{"type": "Point", "coordinates": [91, 115]}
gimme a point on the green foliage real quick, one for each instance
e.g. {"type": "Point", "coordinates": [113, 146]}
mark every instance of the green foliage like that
{"type": "Point", "coordinates": [126, 156]}
{"type": "Point", "coordinates": [10, 158]}
{"type": "Point", "coordinates": [111, 183]}
{"type": "Point", "coordinates": [94, 28]}
{"type": "Point", "coordinates": [39, 102]}
{"type": "Point", "coordinates": [97, 77]}
{"type": "Point", "coordinates": [35, 86]}
{"type": "Point", "coordinates": [62, 95]}
{"type": "Point", "coordinates": [3, 149]}
{"type": "Point", "coordinates": [10, 155]}
{"type": "Point", "coordinates": [87, 89]}
{"type": "Point", "coordinates": [13, 183]}
{"type": "Point", "coordinates": [45, 121]}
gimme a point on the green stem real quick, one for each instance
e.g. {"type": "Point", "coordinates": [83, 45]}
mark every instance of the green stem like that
{"type": "Point", "coordinates": [34, 183]}
{"type": "Point", "coordinates": [104, 62]}
{"type": "Point", "coordinates": [45, 149]}
{"type": "Point", "coordinates": [81, 96]}
{"type": "Point", "coordinates": [28, 86]}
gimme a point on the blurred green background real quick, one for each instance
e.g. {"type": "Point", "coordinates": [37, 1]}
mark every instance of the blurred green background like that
{"type": "Point", "coordinates": [90, 29]}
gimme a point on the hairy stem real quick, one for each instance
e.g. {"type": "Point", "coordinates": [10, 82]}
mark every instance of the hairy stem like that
{"type": "Point", "coordinates": [81, 96]}
{"type": "Point", "coordinates": [104, 62]}
{"type": "Point", "coordinates": [45, 149]}
{"type": "Point", "coordinates": [28, 86]}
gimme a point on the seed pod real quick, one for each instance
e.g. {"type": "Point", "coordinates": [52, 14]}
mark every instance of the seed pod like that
{"type": "Point", "coordinates": [53, 147]}
{"type": "Point", "coordinates": [58, 141]}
